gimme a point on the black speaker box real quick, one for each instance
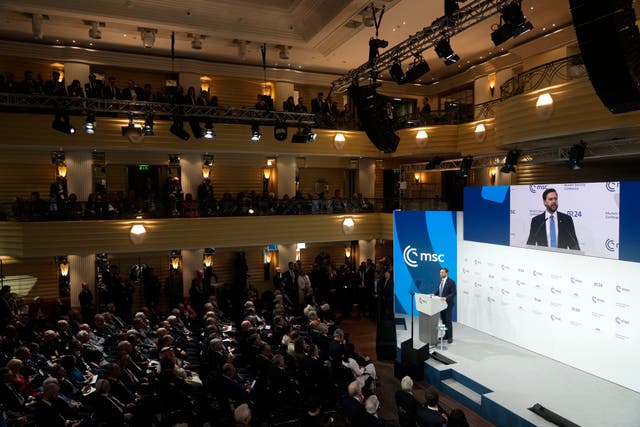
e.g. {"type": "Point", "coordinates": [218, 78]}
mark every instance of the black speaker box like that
{"type": "Point", "coordinates": [370, 108]}
{"type": "Point", "coordinates": [412, 361]}
{"type": "Point", "coordinates": [610, 45]}
{"type": "Point", "coordinates": [386, 340]}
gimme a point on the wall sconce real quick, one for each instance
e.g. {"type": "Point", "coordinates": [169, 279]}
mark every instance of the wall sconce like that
{"type": "Point", "coordinates": [348, 225]}
{"type": "Point", "coordinates": [64, 281]}
{"type": "Point", "coordinates": [138, 233]}
{"type": "Point", "coordinates": [57, 158]}
{"type": "Point", "coordinates": [205, 83]}
{"type": "Point", "coordinates": [63, 265]}
{"type": "Point", "coordinates": [267, 174]}
{"type": "Point", "coordinates": [544, 106]}
{"type": "Point", "coordinates": [207, 165]}
{"type": "Point", "coordinates": [347, 251]}
{"type": "Point", "coordinates": [416, 177]}
{"type": "Point", "coordinates": [174, 259]}
{"type": "Point", "coordinates": [480, 132]}
{"type": "Point", "coordinates": [422, 138]}
{"type": "Point", "coordinates": [339, 140]}
{"type": "Point", "coordinates": [493, 171]}
{"type": "Point", "coordinates": [207, 258]}
{"type": "Point", "coordinates": [492, 87]}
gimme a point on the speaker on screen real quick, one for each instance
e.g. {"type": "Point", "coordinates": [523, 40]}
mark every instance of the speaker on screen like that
{"type": "Point", "coordinates": [610, 45]}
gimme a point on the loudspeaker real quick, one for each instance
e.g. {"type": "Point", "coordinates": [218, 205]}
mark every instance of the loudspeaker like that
{"type": "Point", "coordinates": [610, 45]}
{"type": "Point", "coordinates": [412, 361]}
{"type": "Point", "coordinates": [386, 340]}
{"type": "Point", "coordinates": [370, 108]}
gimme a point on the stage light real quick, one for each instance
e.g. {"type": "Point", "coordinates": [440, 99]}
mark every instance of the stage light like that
{"type": "Point", "coordinates": [417, 70]}
{"type": "Point", "coordinates": [304, 135]}
{"type": "Point", "coordinates": [132, 131]}
{"type": "Point", "coordinates": [209, 131]}
{"type": "Point", "coordinates": [510, 162]}
{"type": "Point", "coordinates": [177, 128]}
{"type": "Point", "coordinates": [434, 163]}
{"type": "Point", "coordinates": [62, 124]}
{"type": "Point", "coordinates": [374, 46]}
{"type": "Point", "coordinates": [280, 131]}
{"type": "Point", "coordinates": [444, 51]}
{"type": "Point", "coordinates": [450, 7]}
{"type": "Point", "coordinates": [396, 73]}
{"type": "Point", "coordinates": [90, 124]}
{"type": "Point", "coordinates": [148, 125]}
{"type": "Point", "coordinates": [513, 23]}
{"type": "Point", "coordinates": [576, 156]}
{"type": "Point", "coordinates": [465, 166]}
{"type": "Point", "coordinates": [256, 135]}
{"type": "Point", "coordinates": [196, 130]}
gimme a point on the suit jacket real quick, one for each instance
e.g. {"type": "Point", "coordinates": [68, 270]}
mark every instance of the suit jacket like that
{"type": "Point", "coordinates": [126, 93]}
{"type": "Point", "coordinates": [566, 232]}
{"type": "Point", "coordinates": [448, 291]}
{"type": "Point", "coordinates": [426, 417]}
{"type": "Point", "coordinates": [407, 406]}
{"type": "Point", "coordinates": [353, 409]}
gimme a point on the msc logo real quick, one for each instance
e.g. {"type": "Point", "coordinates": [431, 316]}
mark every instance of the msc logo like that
{"type": "Point", "coordinates": [612, 186]}
{"type": "Point", "coordinates": [505, 267]}
{"type": "Point", "coordinates": [574, 280]}
{"type": "Point", "coordinates": [537, 300]}
{"type": "Point", "coordinates": [536, 188]}
{"type": "Point", "coordinates": [621, 321]}
{"type": "Point", "coordinates": [536, 273]}
{"type": "Point", "coordinates": [504, 291]}
{"type": "Point", "coordinates": [411, 257]}
{"type": "Point", "coordinates": [610, 245]}
{"type": "Point", "coordinates": [490, 299]}
{"type": "Point", "coordinates": [464, 270]}
{"type": "Point", "coordinates": [519, 283]}
{"type": "Point", "coordinates": [620, 289]}
{"type": "Point", "coordinates": [555, 318]}
{"type": "Point", "coordinates": [596, 300]}
{"type": "Point", "coordinates": [555, 291]}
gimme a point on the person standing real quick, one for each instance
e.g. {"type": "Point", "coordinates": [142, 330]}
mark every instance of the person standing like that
{"type": "Point", "coordinates": [86, 303]}
{"type": "Point", "coordinates": [447, 291]}
{"type": "Point", "coordinates": [552, 228]}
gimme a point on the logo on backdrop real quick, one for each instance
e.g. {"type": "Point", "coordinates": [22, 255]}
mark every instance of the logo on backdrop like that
{"type": "Point", "coordinates": [610, 245]}
{"type": "Point", "coordinates": [621, 321]}
{"type": "Point", "coordinates": [612, 186]}
{"type": "Point", "coordinates": [411, 256]}
{"type": "Point", "coordinates": [620, 289]}
{"type": "Point", "coordinates": [536, 188]}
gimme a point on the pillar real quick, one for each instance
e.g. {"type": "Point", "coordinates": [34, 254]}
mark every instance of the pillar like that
{"type": "Point", "coordinates": [191, 173]}
{"type": "Point", "coordinates": [286, 254]}
{"type": "Point", "coordinates": [286, 166]}
{"type": "Point", "coordinates": [81, 269]}
{"type": "Point", "coordinates": [367, 250]}
{"type": "Point", "coordinates": [283, 91]}
{"type": "Point", "coordinates": [79, 173]}
{"type": "Point", "coordinates": [367, 178]}
{"type": "Point", "coordinates": [191, 262]}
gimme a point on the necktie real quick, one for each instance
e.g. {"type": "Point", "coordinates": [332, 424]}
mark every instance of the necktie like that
{"type": "Point", "coordinates": [552, 231]}
{"type": "Point", "coordinates": [441, 286]}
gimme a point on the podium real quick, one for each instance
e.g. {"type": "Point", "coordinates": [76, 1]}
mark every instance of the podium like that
{"type": "Point", "coordinates": [429, 306]}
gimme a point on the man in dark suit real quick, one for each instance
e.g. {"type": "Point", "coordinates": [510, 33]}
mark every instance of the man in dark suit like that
{"type": "Point", "coordinates": [552, 228]}
{"type": "Point", "coordinates": [429, 415]}
{"type": "Point", "coordinates": [447, 291]}
{"type": "Point", "coordinates": [406, 403]}
{"type": "Point", "coordinates": [352, 407]}
{"type": "Point", "coordinates": [93, 89]}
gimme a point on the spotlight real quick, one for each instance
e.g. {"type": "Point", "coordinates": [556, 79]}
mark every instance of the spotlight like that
{"type": "Point", "coordinates": [90, 124]}
{"type": "Point", "coordinates": [514, 23]}
{"type": "Point", "coordinates": [148, 37]}
{"type": "Point", "coordinates": [177, 128]}
{"type": "Point", "coordinates": [465, 166]}
{"type": "Point", "coordinates": [280, 131]}
{"type": "Point", "coordinates": [148, 125]}
{"type": "Point", "coordinates": [196, 130]}
{"type": "Point", "coordinates": [132, 131]}
{"type": "Point", "coordinates": [61, 124]}
{"type": "Point", "coordinates": [256, 135]}
{"type": "Point", "coordinates": [576, 156]}
{"type": "Point", "coordinates": [396, 72]}
{"type": "Point", "coordinates": [443, 50]}
{"type": "Point", "coordinates": [304, 135]}
{"type": "Point", "coordinates": [209, 131]}
{"type": "Point", "coordinates": [374, 45]}
{"type": "Point", "coordinates": [434, 163]}
{"type": "Point", "coordinates": [417, 70]}
{"type": "Point", "coordinates": [450, 7]}
{"type": "Point", "coordinates": [510, 162]}
{"type": "Point", "coordinates": [94, 31]}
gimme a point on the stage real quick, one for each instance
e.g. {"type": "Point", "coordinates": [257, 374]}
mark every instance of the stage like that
{"type": "Point", "coordinates": [500, 381]}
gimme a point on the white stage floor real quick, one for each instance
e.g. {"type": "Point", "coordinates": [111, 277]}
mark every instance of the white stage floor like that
{"type": "Point", "coordinates": [520, 378]}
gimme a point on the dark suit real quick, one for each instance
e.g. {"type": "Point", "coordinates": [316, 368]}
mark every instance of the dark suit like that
{"type": "Point", "coordinates": [566, 231]}
{"type": "Point", "coordinates": [426, 417]}
{"type": "Point", "coordinates": [448, 292]}
{"type": "Point", "coordinates": [407, 406]}
{"type": "Point", "coordinates": [352, 409]}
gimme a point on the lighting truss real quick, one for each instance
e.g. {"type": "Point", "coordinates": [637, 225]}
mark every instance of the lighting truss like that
{"type": "Point", "coordinates": [474, 12]}
{"type": "Point", "coordinates": [160, 110]}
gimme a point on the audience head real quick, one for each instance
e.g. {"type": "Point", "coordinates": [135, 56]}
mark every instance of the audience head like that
{"type": "Point", "coordinates": [406, 384]}
{"type": "Point", "coordinates": [355, 389]}
{"type": "Point", "coordinates": [372, 404]}
{"type": "Point", "coordinates": [242, 415]}
{"type": "Point", "coordinates": [457, 419]}
{"type": "Point", "coordinates": [431, 397]}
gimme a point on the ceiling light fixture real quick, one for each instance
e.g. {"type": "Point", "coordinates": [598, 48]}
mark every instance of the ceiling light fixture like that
{"type": "Point", "coordinates": [510, 162]}
{"type": "Point", "coordinates": [62, 124]}
{"type": "Point", "coordinates": [94, 31]}
{"type": "Point", "coordinates": [576, 156]}
{"type": "Point", "coordinates": [148, 125]}
{"type": "Point", "coordinates": [209, 131]}
{"type": "Point", "coordinates": [444, 51]}
{"type": "Point", "coordinates": [512, 23]}
{"type": "Point", "coordinates": [280, 130]}
{"type": "Point", "coordinates": [132, 131]}
{"type": "Point", "coordinates": [90, 123]}
{"type": "Point", "coordinates": [148, 37]}
{"type": "Point", "coordinates": [196, 43]}
{"type": "Point", "coordinates": [256, 135]}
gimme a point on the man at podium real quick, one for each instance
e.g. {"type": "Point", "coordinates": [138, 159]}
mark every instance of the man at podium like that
{"type": "Point", "coordinates": [447, 291]}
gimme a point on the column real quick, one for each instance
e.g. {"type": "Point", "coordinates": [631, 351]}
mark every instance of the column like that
{"type": "Point", "coordinates": [191, 262]}
{"type": "Point", "coordinates": [286, 253]}
{"type": "Point", "coordinates": [191, 173]}
{"type": "Point", "coordinates": [367, 178]}
{"type": "Point", "coordinates": [286, 166]}
{"type": "Point", "coordinates": [79, 173]}
{"type": "Point", "coordinates": [283, 91]}
{"type": "Point", "coordinates": [76, 71]}
{"type": "Point", "coordinates": [367, 250]}
{"type": "Point", "coordinates": [81, 269]}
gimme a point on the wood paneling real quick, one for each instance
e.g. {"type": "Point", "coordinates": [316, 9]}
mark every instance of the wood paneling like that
{"type": "Point", "coordinates": [20, 179]}
{"type": "Point", "coordinates": [235, 173]}
{"type": "Point", "coordinates": [594, 171]}
{"type": "Point", "coordinates": [236, 92]}
{"type": "Point", "coordinates": [43, 268]}
{"type": "Point", "coordinates": [140, 77]}
{"type": "Point", "coordinates": [316, 180]}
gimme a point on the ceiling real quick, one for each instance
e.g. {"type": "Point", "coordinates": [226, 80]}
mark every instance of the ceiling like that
{"type": "Point", "coordinates": [325, 36]}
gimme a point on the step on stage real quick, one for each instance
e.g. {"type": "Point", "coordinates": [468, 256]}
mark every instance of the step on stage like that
{"type": "Point", "coordinates": [500, 381]}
